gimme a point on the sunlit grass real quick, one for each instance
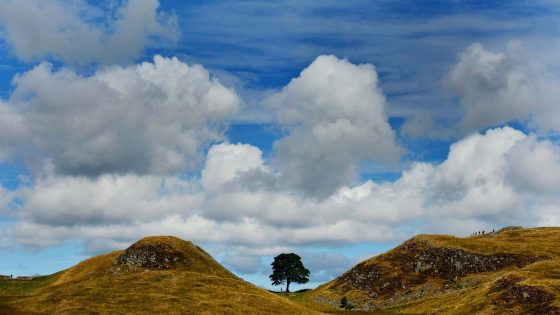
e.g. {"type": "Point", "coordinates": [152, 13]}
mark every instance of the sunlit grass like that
{"type": "Point", "coordinates": [203, 287]}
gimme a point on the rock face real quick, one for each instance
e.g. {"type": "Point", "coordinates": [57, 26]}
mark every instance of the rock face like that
{"type": "Point", "coordinates": [451, 263]}
{"type": "Point", "coordinates": [151, 257]}
{"type": "Point", "coordinates": [372, 279]}
{"type": "Point", "coordinates": [415, 261]}
{"type": "Point", "coordinates": [165, 253]}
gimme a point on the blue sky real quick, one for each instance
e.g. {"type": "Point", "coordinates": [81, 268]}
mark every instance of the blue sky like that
{"type": "Point", "coordinates": [335, 129]}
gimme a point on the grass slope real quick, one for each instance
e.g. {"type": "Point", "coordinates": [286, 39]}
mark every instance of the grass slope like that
{"type": "Point", "coordinates": [188, 281]}
{"type": "Point", "coordinates": [511, 272]}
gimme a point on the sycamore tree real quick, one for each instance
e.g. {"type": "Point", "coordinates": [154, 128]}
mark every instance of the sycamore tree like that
{"type": "Point", "coordinates": [288, 268]}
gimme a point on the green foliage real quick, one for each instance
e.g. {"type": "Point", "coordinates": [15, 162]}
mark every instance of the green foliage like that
{"type": "Point", "coordinates": [345, 304]}
{"type": "Point", "coordinates": [288, 268]}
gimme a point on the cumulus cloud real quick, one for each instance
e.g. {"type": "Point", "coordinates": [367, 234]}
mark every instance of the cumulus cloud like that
{"type": "Point", "coordinates": [151, 118]}
{"type": "Point", "coordinates": [228, 162]}
{"type": "Point", "coordinates": [481, 185]}
{"type": "Point", "coordinates": [334, 113]}
{"type": "Point", "coordinates": [472, 182]}
{"type": "Point", "coordinates": [108, 199]}
{"type": "Point", "coordinates": [107, 150]}
{"type": "Point", "coordinates": [493, 89]}
{"type": "Point", "coordinates": [75, 32]}
{"type": "Point", "coordinates": [534, 166]}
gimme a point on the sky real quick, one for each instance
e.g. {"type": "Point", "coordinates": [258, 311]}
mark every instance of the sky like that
{"type": "Point", "coordinates": [332, 129]}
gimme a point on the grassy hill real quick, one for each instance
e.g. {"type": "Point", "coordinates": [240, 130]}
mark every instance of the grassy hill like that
{"type": "Point", "coordinates": [515, 271]}
{"type": "Point", "coordinates": [163, 275]}
{"type": "Point", "coordinates": [510, 272]}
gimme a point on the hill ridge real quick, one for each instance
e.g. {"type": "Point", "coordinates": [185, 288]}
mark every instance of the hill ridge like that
{"type": "Point", "coordinates": [428, 268]}
{"type": "Point", "coordinates": [161, 274]}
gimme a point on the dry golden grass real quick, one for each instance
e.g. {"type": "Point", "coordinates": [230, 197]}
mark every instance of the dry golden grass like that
{"type": "Point", "coordinates": [96, 286]}
{"type": "Point", "coordinates": [534, 241]}
{"type": "Point", "coordinates": [477, 296]}
{"type": "Point", "coordinates": [481, 300]}
{"type": "Point", "coordinates": [93, 287]}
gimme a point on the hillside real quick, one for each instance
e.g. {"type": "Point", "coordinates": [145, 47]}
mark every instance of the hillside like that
{"type": "Point", "coordinates": [514, 271]}
{"type": "Point", "coordinates": [163, 275]}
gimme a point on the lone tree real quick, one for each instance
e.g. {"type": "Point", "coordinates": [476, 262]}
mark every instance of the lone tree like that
{"type": "Point", "coordinates": [288, 268]}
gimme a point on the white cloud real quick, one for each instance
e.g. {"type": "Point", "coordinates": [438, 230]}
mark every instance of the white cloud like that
{"type": "Point", "coordinates": [481, 185]}
{"type": "Point", "coordinates": [335, 114]}
{"type": "Point", "coordinates": [549, 215]}
{"type": "Point", "coordinates": [151, 118]}
{"type": "Point", "coordinates": [472, 182]}
{"type": "Point", "coordinates": [226, 162]}
{"type": "Point", "coordinates": [534, 166]}
{"type": "Point", "coordinates": [494, 87]}
{"type": "Point", "coordinates": [107, 149]}
{"type": "Point", "coordinates": [70, 201]}
{"type": "Point", "coordinates": [11, 127]}
{"type": "Point", "coordinates": [75, 32]}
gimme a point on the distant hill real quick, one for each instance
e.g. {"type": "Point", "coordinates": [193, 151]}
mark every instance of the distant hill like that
{"type": "Point", "coordinates": [156, 275]}
{"type": "Point", "coordinates": [514, 271]}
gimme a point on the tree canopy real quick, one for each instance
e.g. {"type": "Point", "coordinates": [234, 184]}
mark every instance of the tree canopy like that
{"type": "Point", "coordinates": [288, 268]}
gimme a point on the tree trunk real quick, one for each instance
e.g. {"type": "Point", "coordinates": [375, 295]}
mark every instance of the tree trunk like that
{"type": "Point", "coordinates": [288, 286]}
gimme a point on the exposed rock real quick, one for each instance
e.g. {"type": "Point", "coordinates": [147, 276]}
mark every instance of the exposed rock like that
{"type": "Point", "coordinates": [527, 299]}
{"type": "Point", "coordinates": [151, 257]}
{"type": "Point", "coordinates": [450, 263]}
{"type": "Point", "coordinates": [412, 263]}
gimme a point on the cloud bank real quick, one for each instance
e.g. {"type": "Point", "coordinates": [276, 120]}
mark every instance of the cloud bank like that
{"type": "Point", "coordinates": [109, 151]}
{"type": "Point", "coordinates": [77, 33]}
{"type": "Point", "coordinates": [481, 185]}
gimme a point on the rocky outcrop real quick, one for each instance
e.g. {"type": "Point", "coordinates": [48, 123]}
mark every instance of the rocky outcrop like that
{"type": "Point", "coordinates": [371, 279]}
{"type": "Point", "coordinates": [151, 257]}
{"type": "Point", "coordinates": [450, 263]}
{"type": "Point", "coordinates": [523, 298]}
{"type": "Point", "coordinates": [412, 263]}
